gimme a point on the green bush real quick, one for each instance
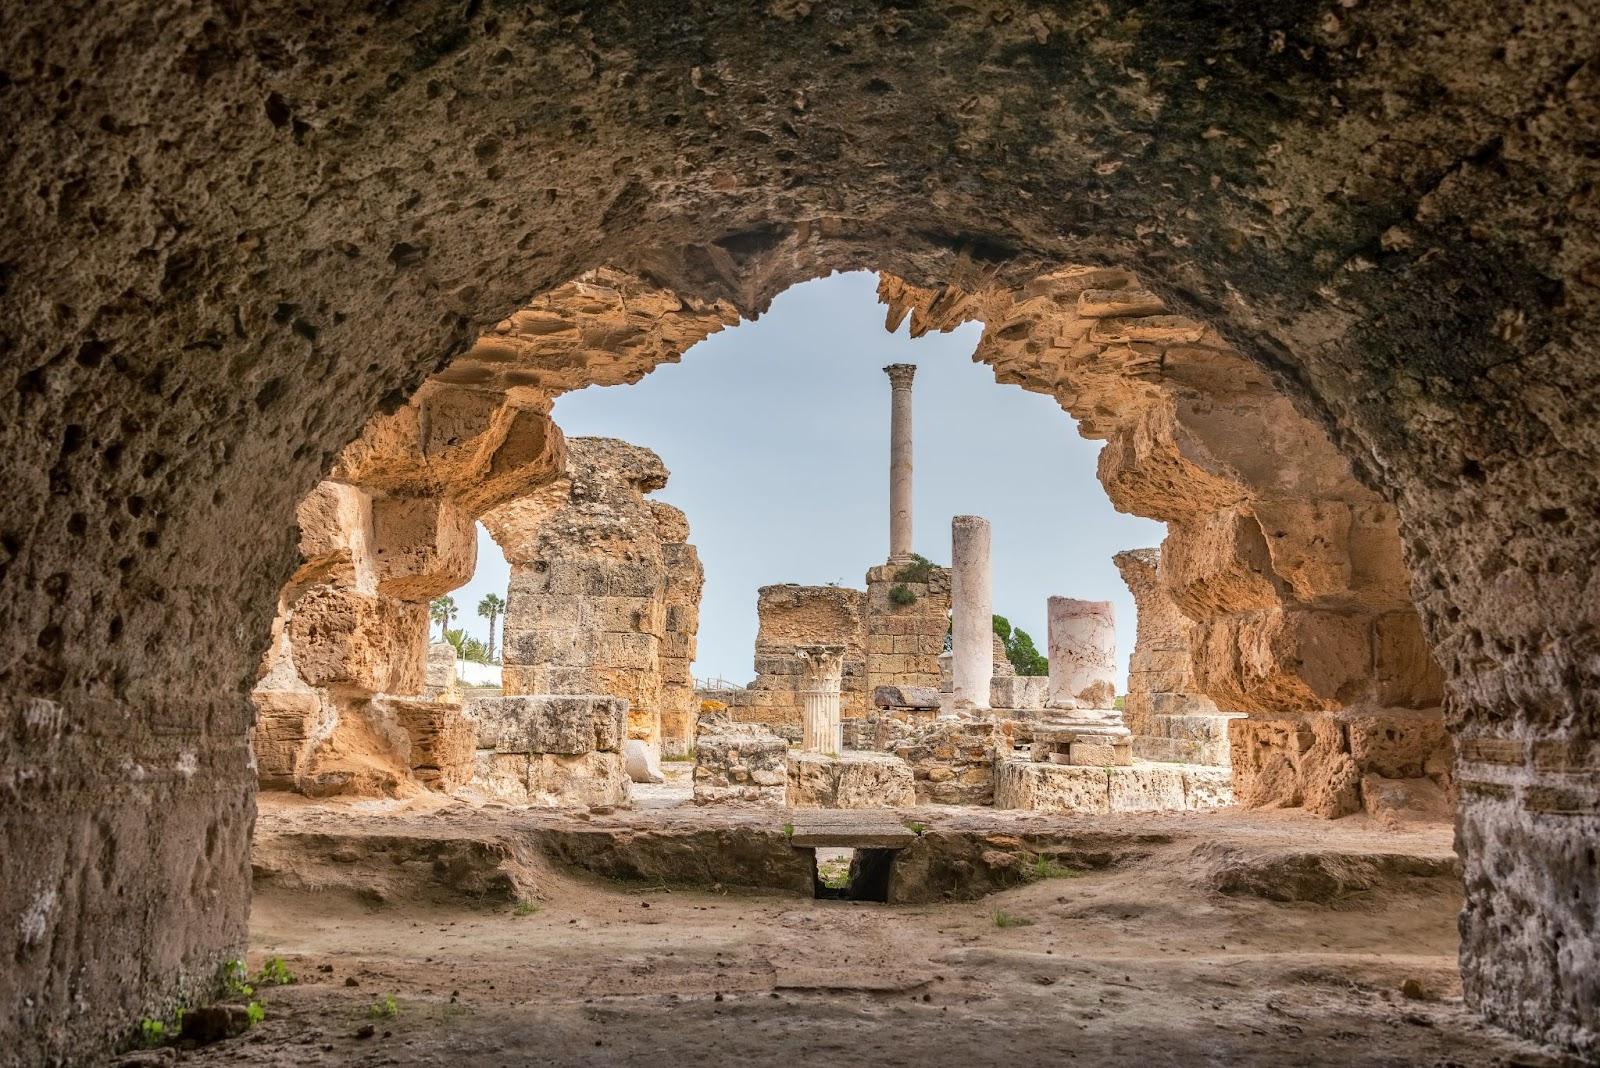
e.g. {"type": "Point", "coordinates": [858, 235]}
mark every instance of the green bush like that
{"type": "Point", "coordinates": [920, 569]}
{"type": "Point", "coordinates": [901, 594]}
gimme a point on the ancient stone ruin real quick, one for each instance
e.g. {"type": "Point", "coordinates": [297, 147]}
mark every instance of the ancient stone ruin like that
{"type": "Point", "coordinates": [291, 290]}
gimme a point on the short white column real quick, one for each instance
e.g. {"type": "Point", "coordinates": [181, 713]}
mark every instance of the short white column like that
{"type": "Point", "coordinates": [1083, 653]}
{"type": "Point", "coordinates": [822, 672]}
{"type": "Point", "coordinates": [900, 375]}
{"type": "Point", "coordinates": [971, 614]}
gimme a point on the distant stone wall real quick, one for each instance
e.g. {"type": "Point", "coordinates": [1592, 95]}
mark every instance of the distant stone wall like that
{"type": "Point", "coordinates": [791, 616]}
{"type": "Point", "coordinates": [604, 594]}
{"type": "Point", "coordinates": [680, 708]}
{"type": "Point", "coordinates": [903, 641]}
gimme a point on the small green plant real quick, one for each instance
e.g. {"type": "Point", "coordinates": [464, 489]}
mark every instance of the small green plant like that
{"type": "Point", "coordinates": [834, 874]}
{"type": "Point", "coordinates": [1003, 919]}
{"type": "Point", "coordinates": [916, 828]}
{"type": "Point", "coordinates": [275, 973]}
{"type": "Point", "coordinates": [255, 1013]}
{"type": "Point", "coordinates": [525, 908]}
{"type": "Point", "coordinates": [385, 1009]}
{"type": "Point", "coordinates": [901, 594]}
{"type": "Point", "coordinates": [920, 569]}
{"type": "Point", "coordinates": [152, 1032]}
{"type": "Point", "coordinates": [235, 980]}
{"type": "Point", "coordinates": [689, 756]}
{"type": "Point", "coordinates": [1047, 868]}
{"type": "Point", "coordinates": [788, 830]}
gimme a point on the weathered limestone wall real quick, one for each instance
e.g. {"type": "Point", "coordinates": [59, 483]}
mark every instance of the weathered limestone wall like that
{"type": "Point", "coordinates": [588, 605]}
{"type": "Point", "coordinates": [392, 527]}
{"type": "Point", "coordinates": [903, 641]}
{"type": "Point", "coordinates": [790, 617]}
{"type": "Point", "coordinates": [1389, 208]}
{"type": "Point", "coordinates": [680, 708]}
{"type": "Point", "coordinates": [1170, 719]}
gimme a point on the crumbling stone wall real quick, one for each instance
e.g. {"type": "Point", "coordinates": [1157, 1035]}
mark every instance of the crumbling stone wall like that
{"type": "Point", "coordinates": [393, 526]}
{"type": "Point", "coordinates": [1389, 209]}
{"type": "Point", "coordinates": [903, 641]}
{"type": "Point", "coordinates": [791, 616]}
{"type": "Point", "coordinates": [1170, 718]}
{"type": "Point", "coordinates": [680, 708]}
{"type": "Point", "coordinates": [588, 604]}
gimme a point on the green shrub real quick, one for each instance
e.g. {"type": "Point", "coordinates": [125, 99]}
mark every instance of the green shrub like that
{"type": "Point", "coordinates": [385, 1009]}
{"type": "Point", "coordinates": [274, 973]}
{"type": "Point", "coordinates": [235, 980]}
{"type": "Point", "coordinates": [901, 594]}
{"type": "Point", "coordinates": [920, 569]}
{"type": "Point", "coordinates": [152, 1032]}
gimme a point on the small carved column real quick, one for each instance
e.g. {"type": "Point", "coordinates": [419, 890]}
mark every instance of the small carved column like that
{"type": "Point", "coordinates": [971, 614]}
{"type": "Point", "coordinates": [823, 667]}
{"type": "Point", "coordinates": [900, 375]}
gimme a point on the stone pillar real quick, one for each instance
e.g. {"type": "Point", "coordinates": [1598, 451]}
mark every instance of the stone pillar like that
{"type": "Point", "coordinates": [900, 461]}
{"type": "Point", "coordinates": [972, 614]}
{"type": "Point", "coordinates": [823, 669]}
{"type": "Point", "coordinates": [1083, 654]}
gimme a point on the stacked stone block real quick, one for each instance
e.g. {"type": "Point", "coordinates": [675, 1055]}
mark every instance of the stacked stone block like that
{"type": "Point", "coordinates": [551, 750]}
{"type": "Point", "coordinates": [739, 762]}
{"type": "Point", "coordinates": [849, 780]}
{"type": "Point", "coordinates": [604, 593]}
{"type": "Point", "coordinates": [904, 640]}
{"type": "Point", "coordinates": [952, 761]}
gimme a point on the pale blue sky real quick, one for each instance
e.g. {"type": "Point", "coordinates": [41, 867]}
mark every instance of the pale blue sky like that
{"type": "Point", "coordinates": [777, 436]}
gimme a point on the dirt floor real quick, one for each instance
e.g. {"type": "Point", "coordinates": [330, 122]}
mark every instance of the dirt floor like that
{"type": "Point", "coordinates": [1172, 953]}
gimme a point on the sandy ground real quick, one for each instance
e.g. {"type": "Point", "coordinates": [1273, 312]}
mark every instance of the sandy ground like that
{"type": "Point", "coordinates": [1140, 964]}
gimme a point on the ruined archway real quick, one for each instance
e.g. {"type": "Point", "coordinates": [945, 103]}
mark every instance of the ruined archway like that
{"type": "Point", "coordinates": [1386, 211]}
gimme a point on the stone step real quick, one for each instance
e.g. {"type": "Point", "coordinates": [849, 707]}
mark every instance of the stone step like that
{"type": "Point", "coordinates": [850, 829]}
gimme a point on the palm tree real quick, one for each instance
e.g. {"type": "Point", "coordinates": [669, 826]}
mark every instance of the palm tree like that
{"type": "Point", "coordinates": [490, 608]}
{"type": "Point", "coordinates": [441, 610]}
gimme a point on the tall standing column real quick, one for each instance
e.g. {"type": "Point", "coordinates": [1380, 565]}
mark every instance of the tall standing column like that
{"type": "Point", "coordinates": [971, 614]}
{"type": "Point", "coordinates": [900, 461]}
{"type": "Point", "coordinates": [823, 667]}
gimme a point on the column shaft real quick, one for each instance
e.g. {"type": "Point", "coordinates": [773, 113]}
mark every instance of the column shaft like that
{"type": "Point", "coordinates": [971, 613]}
{"type": "Point", "coordinates": [900, 546]}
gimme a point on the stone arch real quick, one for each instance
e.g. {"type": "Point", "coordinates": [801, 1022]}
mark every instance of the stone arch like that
{"type": "Point", "coordinates": [237, 235]}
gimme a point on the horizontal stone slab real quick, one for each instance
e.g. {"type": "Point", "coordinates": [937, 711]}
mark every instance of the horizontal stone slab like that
{"type": "Point", "coordinates": [562, 724]}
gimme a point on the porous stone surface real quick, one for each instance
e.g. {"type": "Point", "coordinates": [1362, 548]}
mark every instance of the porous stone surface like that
{"type": "Point", "coordinates": [1143, 787]}
{"type": "Point", "coordinates": [441, 738]}
{"type": "Point", "coordinates": [1170, 718]}
{"type": "Point", "coordinates": [680, 708]}
{"type": "Point", "coordinates": [551, 750]}
{"type": "Point", "coordinates": [739, 762]}
{"type": "Point", "coordinates": [567, 724]}
{"type": "Point", "coordinates": [952, 761]}
{"type": "Point", "coordinates": [597, 569]}
{"type": "Point", "coordinates": [849, 780]}
{"type": "Point", "coordinates": [919, 697]}
{"type": "Point", "coordinates": [906, 612]}
{"type": "Point", "coordinates": [1328, 764]}
{"type": "Point", "coordinates": [1367, 229]}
